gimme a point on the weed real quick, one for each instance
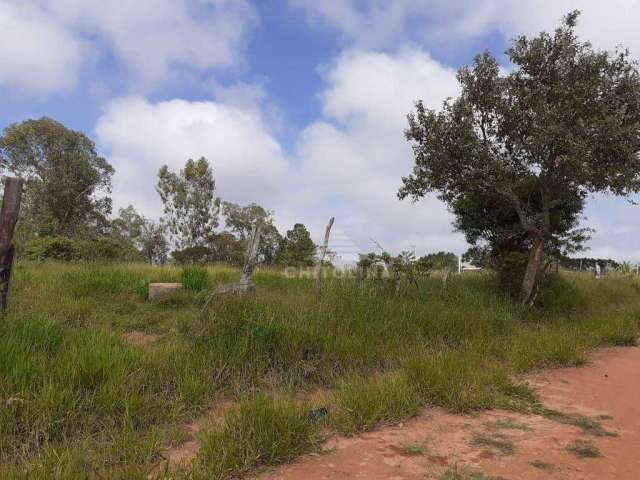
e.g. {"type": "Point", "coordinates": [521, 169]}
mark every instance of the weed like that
{"type": "Point", "coordinates": [583, 449]}
{"type": "Point", "coordinates": [413, 449]}
{"type": "Point", "coordinates": [493, 440]}
{"type": "Point", "coordinates": [508, 424]}
{"type": "Point", "coordinates": [586, 424]}
{"type": "Point", "coordinates": [540, 465]}
{"type": "Point", "coordinates": [457, 472]}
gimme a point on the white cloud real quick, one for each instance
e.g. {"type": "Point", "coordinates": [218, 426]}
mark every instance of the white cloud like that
{"type": "Point", "coordinates": [152, 39]}
{"type": "Point", "coordinates": [357, 155]}
{"type": "Point", "coordinates": [141, 136]}
{"type": "Point", "coordinates": [347, 165]}
{"type": "Point", "coordinates": [38, 54]}
{"type": "Point", "coordinates": [380, 24]}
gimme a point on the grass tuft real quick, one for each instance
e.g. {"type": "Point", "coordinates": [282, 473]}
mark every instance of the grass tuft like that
{"type": "Point", "coordinates": [583, 449]}
{"type": "Point", "coordinates": [262, 432]}
{"type": "Point", "coordinates": [494, 441]}
{"type": "Point", "coordinates": [540, 465]}
{"type": "Point", "coordinates": [365, 403]}
{"type": "Point", "coordinates": [413, 449]}
{"type": "Point", "coordinates": [194, 279]}
{"type": "Point", "coordinates": [586, 424]}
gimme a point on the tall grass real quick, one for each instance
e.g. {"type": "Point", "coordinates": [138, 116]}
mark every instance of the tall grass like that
{"type": "Point", "coordinates": [263, 431]}
{"type": "Point", "coordinates": [77, 399]}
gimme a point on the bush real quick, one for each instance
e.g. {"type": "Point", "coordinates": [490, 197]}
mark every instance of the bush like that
{"type": "Point", "coordinates": [194, 255]}
{"type": "Point", "coordinates": [195, 279]}
{"type": "Point", "coordinates": [77, 249]}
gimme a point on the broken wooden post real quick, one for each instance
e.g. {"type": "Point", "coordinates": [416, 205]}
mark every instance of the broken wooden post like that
{"type": "Point", "coordinates": [252, 254]}
{"type": "Point", "coordinates": [445, 276]}
{"type": "Point", "coordinates": [8, 218]}
{"type": "Point", "coordinates": [323, 252]}
{"type": "Point", "coordinates": [245, 284]}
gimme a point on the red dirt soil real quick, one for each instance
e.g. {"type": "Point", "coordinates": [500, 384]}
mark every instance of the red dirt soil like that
{"type": "Point", "coordinates": [608, 386]}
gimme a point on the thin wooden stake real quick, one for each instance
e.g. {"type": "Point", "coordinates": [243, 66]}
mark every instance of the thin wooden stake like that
{"type": "Point", "coordinates": [8, 218]}
{"type": "Point", "coordinates": [323, 252]}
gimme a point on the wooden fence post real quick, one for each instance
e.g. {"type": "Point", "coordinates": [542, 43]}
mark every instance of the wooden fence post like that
{"type": "Point", "coordinates": [8, 218]}
{"type": "Point", "coordinates": [252, 254]}
{"type": "Point", "coordinates": [323, 252]}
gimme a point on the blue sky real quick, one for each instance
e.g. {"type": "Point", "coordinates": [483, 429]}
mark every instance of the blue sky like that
{"type": "Point", "coordinates": [299, 104]}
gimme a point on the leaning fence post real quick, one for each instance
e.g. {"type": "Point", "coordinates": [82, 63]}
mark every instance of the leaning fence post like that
{"type": "Point", "coordinates": [323, 252]}
{"type": "Point", "coordinates": [8, 218]}
{"type": "Point", "coordinates": [252, 253]}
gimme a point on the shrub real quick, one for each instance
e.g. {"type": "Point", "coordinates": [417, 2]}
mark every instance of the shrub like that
{"type": "Point", "coordinates": [194, 255]}
{"type": "Point", "coordinates": [76, 249]}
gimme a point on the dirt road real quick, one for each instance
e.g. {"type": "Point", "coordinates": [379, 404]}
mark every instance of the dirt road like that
{"type": "Point", "coordinates": [568, 445]}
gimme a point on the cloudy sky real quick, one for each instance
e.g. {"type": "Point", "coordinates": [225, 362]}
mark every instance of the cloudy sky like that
{"type": "Point", "coordinates": [299, 104]}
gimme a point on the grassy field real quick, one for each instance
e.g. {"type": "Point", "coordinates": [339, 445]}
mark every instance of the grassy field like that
{"type": "Point", "coordinates": [80, 399]}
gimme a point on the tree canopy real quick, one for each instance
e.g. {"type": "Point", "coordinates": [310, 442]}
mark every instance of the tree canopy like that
{"type": "Point", "coordinates": [191, 209]}
{"type": "Point", "coordinates": [297, 247]}
{"type": "Point", "coordinates": [562, 124]}
{"type": "Point", "coordinates": [67, 184]}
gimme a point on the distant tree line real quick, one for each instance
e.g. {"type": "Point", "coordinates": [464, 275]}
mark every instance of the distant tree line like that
{"type": "Point", "coordinates": [66, 209]}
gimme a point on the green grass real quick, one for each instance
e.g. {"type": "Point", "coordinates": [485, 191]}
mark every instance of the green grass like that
{"type": "Point", "coordinates": [77, 400]}
{"type": "Point", "coordinates": [508, 424]}
{"type": "Point", "coordinates": [195, 279]}
{"type": "Point", "coordinates": [413, 449]}
{"type": "Point", "coordinates": [583, 449]}
{"type": "Point", "coordinates": [363, 404]}
{"type": "Point", "coordinates": [262, 432]}
{"type": "Point", "coordinates": [587, 425]}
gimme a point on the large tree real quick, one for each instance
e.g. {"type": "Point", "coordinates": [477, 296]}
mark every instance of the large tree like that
{"type": "Point", "coordinates": [67, 182]}
{"type": "Point", "coordinates": [147, 236]}
{"type": "Point", "coordinates": [191, 208]}
{"type": "Point", "coordinates": [564, 123]}
{"type": "Point", "coordinates": [240, 220]}
{"type": "Point", "coordinates": [298, 249]}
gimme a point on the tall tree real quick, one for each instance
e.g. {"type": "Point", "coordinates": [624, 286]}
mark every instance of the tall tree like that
{"type": "Point", "coordinates": [67, 183]}
{"type": "Point", "coordinates": [564, 123]}
{"type": "Point", "coordinates": [129, 224]}
{"type": "Point", "coordinates": [153, 242]}
{"type": "Point", "coordinates": [190, 207]}
{"type": "Point", "coordinates": [240, 220]}
{"type": "Point", "coordinates": [147, 236]}
{"type": "Point", "coordinates": [297, 247]}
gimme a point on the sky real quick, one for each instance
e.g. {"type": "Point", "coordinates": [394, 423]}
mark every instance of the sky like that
{"type": "Point", "coordinates": [299, 105]}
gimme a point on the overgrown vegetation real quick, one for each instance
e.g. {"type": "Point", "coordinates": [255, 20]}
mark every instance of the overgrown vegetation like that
{"type": "Point", "coordinates": [78, 400]}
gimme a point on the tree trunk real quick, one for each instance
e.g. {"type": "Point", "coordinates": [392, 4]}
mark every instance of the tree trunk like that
{"type": "Point", "coordinates": [532, 271]}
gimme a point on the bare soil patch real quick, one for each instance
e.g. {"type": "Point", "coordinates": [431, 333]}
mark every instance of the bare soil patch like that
{"type": "Point", "coordinates": [505, 444]}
